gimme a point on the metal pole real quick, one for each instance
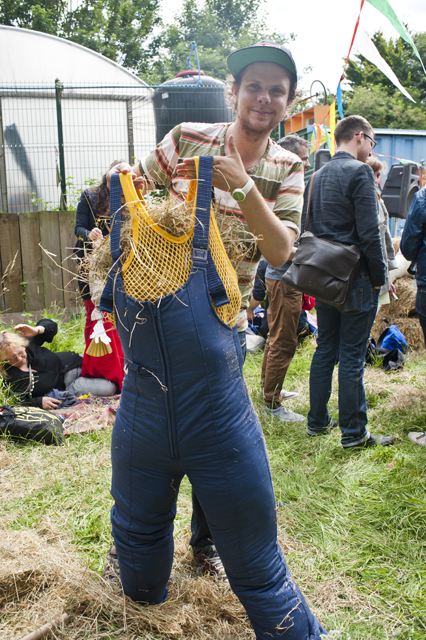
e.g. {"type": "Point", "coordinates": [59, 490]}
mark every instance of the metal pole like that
{"type": "Point", "coordinates": [3, 182]}
{"type": "Point", "coordinates": [58, 91]}
{"type": "Point", "coordinates": [130, 131]}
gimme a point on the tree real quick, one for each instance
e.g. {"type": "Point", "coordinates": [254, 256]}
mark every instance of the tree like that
{"type": "Point", "coordinates": [374, 96]}
{"type": "Point", "coordinates": [218, 27]}
{"type": "Point", "coordinates": [118, 29]}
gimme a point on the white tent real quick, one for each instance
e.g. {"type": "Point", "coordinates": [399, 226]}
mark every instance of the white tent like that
{"type": "Point", "coordinates": [107, 114]}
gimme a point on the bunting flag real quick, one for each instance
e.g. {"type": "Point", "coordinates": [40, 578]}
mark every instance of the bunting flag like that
{"type": "Point", "coordinates": [384, 7]}
{"type": "Point", "coordinates": [366, 47]}
{"type": "Point", "coordinates": [339, 99]}
{"type": "Point", "coordinates": [312, 149]}
{"type": "Point", "coordinates": [332, 126]}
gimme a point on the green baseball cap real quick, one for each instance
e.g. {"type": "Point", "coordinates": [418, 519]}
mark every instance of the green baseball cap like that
{"type": "Point", "coordinates": [264, 51]}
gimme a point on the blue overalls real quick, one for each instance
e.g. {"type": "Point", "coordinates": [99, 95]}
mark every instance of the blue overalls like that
{"type": "Point", "coordinates": [185, 410]}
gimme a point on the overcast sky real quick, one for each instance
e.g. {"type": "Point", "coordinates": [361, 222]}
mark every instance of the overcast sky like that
{"type": "Point", "coordinates": [324, 30]}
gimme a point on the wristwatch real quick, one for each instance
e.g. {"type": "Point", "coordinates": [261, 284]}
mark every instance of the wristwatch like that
{"type": "Point", "coordinates": [240, 194]}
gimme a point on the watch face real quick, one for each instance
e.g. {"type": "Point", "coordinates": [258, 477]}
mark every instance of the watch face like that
{"type": "Point", "coordinates": [238, 195]}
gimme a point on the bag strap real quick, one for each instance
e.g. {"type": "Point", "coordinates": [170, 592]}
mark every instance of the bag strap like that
{"type": "Point", "coordinates": [309, 201]}
{"type": "Point", "coordinates": [107, 297]}
{"type": "Point", "coordinates": [201, 254]}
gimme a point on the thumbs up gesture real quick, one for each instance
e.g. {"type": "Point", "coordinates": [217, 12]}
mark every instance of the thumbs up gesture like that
{"type": "Point", "coordinates": [228, 171]}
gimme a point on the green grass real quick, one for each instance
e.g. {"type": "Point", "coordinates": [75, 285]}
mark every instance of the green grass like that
{"type": "Point", "coordinates": [353, 524]}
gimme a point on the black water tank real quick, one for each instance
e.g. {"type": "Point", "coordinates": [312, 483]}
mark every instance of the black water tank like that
{"type": "Point", "coordinates": [181, 100]}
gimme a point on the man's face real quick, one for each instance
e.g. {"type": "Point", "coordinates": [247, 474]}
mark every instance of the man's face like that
{"type": "Point", "coordinates": [366, 145]}
{"type": "Point", "coordinates": [262, 97]}
{"type": "Point", "coordinates": [303, 154]}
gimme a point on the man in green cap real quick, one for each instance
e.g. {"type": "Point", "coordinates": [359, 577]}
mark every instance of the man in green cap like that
{"type": "Point", "coordinates": [262, 184]}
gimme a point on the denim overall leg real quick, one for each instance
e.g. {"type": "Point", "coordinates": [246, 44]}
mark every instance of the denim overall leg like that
{"type": "Point", "coordinates": [185, 410]}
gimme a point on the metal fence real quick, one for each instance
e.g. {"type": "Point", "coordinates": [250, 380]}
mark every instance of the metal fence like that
{"type": "Point", "coordinates": [55, 140]}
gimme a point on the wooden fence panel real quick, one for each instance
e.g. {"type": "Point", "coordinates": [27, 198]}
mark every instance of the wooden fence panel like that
{"type": "Point", "coordinates": [9, 246]}
{"type": "Point", "coordinates": [50, 240]}
{"type": "Point", "coordinates": [32, 272]}
{"type": "Point", "coordinates": [69, 265]}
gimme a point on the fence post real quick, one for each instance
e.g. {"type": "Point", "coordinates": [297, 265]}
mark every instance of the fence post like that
{"type": "Point", "coordinates": [58, 92]}
{"type": "Point", "coordinates": [3, 182]}
{"type": "Point", "coordinates": [130, 131]}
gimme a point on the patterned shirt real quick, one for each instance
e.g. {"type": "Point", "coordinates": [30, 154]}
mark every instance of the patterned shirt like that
{"type": "Point", "coordinates": [278, 177]}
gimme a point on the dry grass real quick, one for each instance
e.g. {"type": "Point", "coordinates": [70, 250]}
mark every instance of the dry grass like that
{"type": "Point", "coordinates": [401, 312]}
{"type": "Point", "coordinates": [41, 577]}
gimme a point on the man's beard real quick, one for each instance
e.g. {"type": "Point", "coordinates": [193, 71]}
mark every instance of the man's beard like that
{"type": "Point", "coordinates": [257, 133]}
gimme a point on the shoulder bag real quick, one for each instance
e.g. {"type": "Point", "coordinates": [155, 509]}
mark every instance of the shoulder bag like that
{"type": "Point", "coordinates": [321, 268]}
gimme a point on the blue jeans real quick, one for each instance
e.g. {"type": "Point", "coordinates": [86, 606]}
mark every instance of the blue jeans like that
{"type": "Point", "coordinates": [343, 333]}
{"type": "Point", "coordinates": [421, 308]}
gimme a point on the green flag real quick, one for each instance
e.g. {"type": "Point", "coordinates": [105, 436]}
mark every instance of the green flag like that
{"type": "Point", "coordinates": [384, 7]}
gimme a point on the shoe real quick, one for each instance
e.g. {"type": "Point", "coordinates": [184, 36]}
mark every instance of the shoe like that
{"type": "Point", "coordinates": [284, 414]}
{"type": "Point", "coordinates": [418, 437]}
{"type": "Point", "coordinates": [331, 425]}
{"type": "Point", "coordinates": [211, 563]}
{"type": "Point", "coordinates": [254, 342]}
{"type": "Point", "coordinates": [286, 395]}
{"type": "Point", "coordinates": [112, 568]}
{"type": "Point", "coordinates": [373, 441]}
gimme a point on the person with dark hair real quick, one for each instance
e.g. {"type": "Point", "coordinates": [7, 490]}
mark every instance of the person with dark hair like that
{"type": "Point", "coordinates": [285, 306]}
{"type": "Point", "coordinates": [385, 236]}
{"type": "Point", "coordinates": [210, 430]}
{"type": "Point", "coordinates": [344, 209]}
{"type": "Point", "coordinates": [92, 224]}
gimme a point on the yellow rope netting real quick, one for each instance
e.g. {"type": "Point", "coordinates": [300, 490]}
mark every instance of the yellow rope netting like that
{"type": "Point", "coordinates": [159, 263]}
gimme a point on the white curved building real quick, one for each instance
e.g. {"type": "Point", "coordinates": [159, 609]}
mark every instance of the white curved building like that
{"type": "Point", "coordinates": [107, 114]}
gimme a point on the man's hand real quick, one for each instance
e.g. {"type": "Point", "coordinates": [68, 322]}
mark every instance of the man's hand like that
{"type": "Point", "coordinates": [50, 403]}
{"type": "Point", "coordinates": [228, 171]}
{"type": "Point", "coordinates": [138, 180]}
{"type": "Point", "coordinates": [27, 331]}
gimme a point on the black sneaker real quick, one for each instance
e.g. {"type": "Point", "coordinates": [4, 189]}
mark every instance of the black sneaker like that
{"type": "Point", "coordinates": [209, 562]}
{"type": "Point", "coordinates": [373, 441]}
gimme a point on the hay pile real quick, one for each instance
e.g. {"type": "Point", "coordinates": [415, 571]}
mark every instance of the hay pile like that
{"type": "Point", "coordinates": [42, 578]}
{"type": "Point", "coordinates": [177, 219]}
{"type": "Point", "coordinates": [401, 312]}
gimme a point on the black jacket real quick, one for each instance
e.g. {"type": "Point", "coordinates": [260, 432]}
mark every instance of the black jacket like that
{"type": "Point", "coordinates": [48, 367]}
{"type": "Point", "coordinates": [87, 218]}
{"type": "Point", "coordinates": [344, 209]}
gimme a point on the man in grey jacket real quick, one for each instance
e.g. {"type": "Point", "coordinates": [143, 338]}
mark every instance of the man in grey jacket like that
{"type": "Point", "coordinates": [344, 209]}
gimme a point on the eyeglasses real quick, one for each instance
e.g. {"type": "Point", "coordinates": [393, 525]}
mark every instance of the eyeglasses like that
{"type": "Point", "coordinates": [373, 142]}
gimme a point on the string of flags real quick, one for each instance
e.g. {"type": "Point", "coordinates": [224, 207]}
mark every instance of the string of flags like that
{"type": "Point", "coordinates": [363, 44]}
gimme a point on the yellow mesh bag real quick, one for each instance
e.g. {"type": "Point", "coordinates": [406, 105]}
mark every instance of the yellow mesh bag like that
{"type": "Point", "coordinates": [159, 263]}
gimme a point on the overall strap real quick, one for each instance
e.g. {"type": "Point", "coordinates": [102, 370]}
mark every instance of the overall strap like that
{"type": "Point", "coordinates": [107, 297]}
{"type": "Point", "coordinates": [201, 255]}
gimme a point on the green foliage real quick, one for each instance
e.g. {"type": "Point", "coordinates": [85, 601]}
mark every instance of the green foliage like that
{"type": "Point", "coordinates": [118, 29]}
{"type": "Point", "coordinates": [374, 96]}
{"type": "Point", "coordinates": [218, 28]}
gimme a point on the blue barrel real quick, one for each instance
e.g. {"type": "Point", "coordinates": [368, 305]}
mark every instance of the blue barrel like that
{"type": "Point", "coordinates": [182, 99]}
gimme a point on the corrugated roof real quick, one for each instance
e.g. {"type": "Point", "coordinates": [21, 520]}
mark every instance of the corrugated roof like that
{"type": "Point", "coordinates": [38, 58]}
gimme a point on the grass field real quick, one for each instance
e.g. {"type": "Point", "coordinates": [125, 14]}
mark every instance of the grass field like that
{"type": "Point", "coordinates": [352, 526]}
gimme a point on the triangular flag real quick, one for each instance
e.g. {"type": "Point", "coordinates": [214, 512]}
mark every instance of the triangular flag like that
{"type": "Point", "coordinates": [366, 47]}
{"type": "Point", "coordinates": [384, 7]}
{"type": "Point", "coordinates": [332, 126]}
{"type": "Point", "coordinates": [312, 149]}
{"type": "Point", "coordinates": [339, 99]}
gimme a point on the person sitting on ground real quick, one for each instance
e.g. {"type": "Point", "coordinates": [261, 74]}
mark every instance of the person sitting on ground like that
{"type": "Point", "coordinates": [32, 371]}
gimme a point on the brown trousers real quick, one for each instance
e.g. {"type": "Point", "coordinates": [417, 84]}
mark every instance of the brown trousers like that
{"type": "Point", "coordinates": [285, 305]}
